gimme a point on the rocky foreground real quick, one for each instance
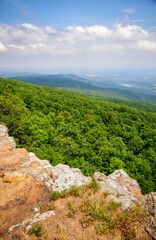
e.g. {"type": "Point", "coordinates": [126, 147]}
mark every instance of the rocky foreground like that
{"type": "Point", "coordinates": [26, 183]}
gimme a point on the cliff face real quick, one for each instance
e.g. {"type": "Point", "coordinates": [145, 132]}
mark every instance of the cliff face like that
{"type": "Point", "coordinates": [26, 183]}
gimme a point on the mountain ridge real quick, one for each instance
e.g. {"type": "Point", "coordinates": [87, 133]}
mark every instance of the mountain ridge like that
{"type": "Point", "coordinates": [72, 83]}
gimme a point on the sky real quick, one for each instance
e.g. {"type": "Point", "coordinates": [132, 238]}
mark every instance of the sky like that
{"type": "Point", "coordinates": [70, 34]}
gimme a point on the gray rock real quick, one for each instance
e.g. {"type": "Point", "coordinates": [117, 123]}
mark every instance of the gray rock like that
{"type": "Point", "coordinates": [11, 139]}
{"type": "Point", "coordinates": [151, 228]}
{"type": "Point", "coordinates": [3, 131]}
{"type": "Point", "coordinates": [64, 177]}
{"type": "Point", "coordinates": [121, 188]}
{"type": "Point", "coordinates": [56, 178]}
{"type": "Point", "coordinates": [150, 205]}
{"type": "Point", "coordinates": [36, 218]}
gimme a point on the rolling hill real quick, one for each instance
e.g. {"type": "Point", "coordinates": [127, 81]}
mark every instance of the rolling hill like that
{"type": "Point", "coordinates": [83, 86]}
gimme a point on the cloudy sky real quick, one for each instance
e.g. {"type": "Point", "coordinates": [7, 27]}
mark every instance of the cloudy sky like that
{"type": "Point", "coordinates": [53, 34]}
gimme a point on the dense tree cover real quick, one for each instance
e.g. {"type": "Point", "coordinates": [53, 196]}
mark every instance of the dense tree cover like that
{"type": "Point", "coordinates": [90, 134]}
{"type": "Point", "coordinates": [116, 96]}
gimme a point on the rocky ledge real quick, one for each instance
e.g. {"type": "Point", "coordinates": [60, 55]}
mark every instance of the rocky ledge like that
{"type": "Point", "coordinates": [26, 182]}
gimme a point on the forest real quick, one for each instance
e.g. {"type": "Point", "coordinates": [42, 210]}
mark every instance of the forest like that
{"type": "Point", "coordinates": [83, 132]}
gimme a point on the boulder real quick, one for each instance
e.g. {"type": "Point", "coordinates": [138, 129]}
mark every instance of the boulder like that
{"type": "Point", "coordinates": [3, 131]}
{"type": "Point", "coordinates": [64, 177]}
{"type": "Point", "coordinates": [121, 188]}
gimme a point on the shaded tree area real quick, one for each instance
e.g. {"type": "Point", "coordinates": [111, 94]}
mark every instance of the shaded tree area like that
{"type": "Point", "coordinates": [87, 133]}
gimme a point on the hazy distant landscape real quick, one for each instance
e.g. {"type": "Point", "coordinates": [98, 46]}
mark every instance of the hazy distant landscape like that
{"type": "Point", "coordinates": [126, 86]}
{"type": "Point", "coordinates": [135, 80]}
{"type": "Point", "coordinates": [141, 82]}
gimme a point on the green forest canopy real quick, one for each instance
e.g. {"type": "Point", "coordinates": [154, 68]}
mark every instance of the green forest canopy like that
{"type": "Point", "coordinates": [87, 133]}
{"type": "Point", "coordinates": [110, 97]}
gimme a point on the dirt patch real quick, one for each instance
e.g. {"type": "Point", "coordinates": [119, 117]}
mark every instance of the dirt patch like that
{"type": "Point", "coordinates": [78, 218]}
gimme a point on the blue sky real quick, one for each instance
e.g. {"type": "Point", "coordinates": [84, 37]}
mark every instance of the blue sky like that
{"type": "Point", "coordinates": [82, 33]}
{"type": "Point", "coordinates": [73, 12]}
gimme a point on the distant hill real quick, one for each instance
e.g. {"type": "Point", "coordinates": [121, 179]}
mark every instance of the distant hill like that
{"type": "Point", "coordinates": [83, 86]}
{"type": "Point", "coordinates": [58, 80]}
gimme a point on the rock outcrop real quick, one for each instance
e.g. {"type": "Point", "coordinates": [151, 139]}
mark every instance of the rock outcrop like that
{"type": "Point", "coordinates": [26, 183]}
{"type": "Point", "coordinates": [121, 188]}
{"type": "Point", "coordinates": [65, 177]}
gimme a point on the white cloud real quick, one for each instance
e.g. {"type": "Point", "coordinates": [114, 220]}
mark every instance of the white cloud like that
{"type": "Point", "coordinates": [28, 37]}
{"type": "Point", "coordinates": [99, 31]}
{"type": "Point", "coordinates": [147, 45]}
{"type": "Point", "coordinates": [79, 43]}
{"type": "Point", "coordinates": [16, 47]}
{"type": "Point", "coordinates": [108, 47]}
{"type": "Point", "coordinates": [2, 48]}
{"type": "Point", "coordinates": [30, 26]}
{"type": "Point", "coordinates": [129, 10]}
{"type": "Point", "coordinates": [130, 32]}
